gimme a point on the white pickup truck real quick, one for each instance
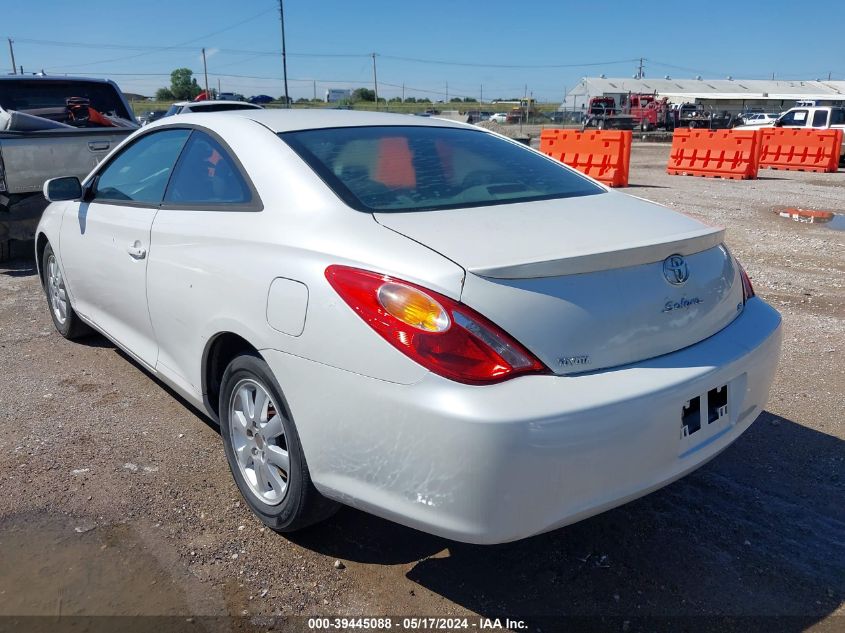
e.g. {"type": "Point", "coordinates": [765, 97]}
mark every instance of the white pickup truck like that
{"type": "Point", "coordinates": [813, 117]}
{"type": "Point", "coordinates": [819, 117]}
{"type": "Point", "coordinates": [51, 126]}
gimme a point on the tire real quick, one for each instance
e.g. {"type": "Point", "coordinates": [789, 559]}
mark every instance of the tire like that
{"type": "Point", "coordinates": [264, 451]}
{"type": "Point", "coordinates": [600, 124]}
{"type": "Point", "coordinates": [65, 318]}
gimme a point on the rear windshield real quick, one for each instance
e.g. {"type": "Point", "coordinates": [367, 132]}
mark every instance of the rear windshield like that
{"type": "Point", "coordinates": [222, 107]}
{"type": "Point", "coordinates": [23, 94]}
{"type": "Point", "coordinates": [416, 168]}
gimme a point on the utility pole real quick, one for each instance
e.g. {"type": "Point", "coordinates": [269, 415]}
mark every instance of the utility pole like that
{"type": "Point", "coordinates": [12, 53]}
{"type": "Point", "coordinates": [524, 108]}
{"type": "Point", "coordinates": [205, 72]}
{"type": "Point", "coordinates": [375, 80]}
{"type": "Point", "coordinates": [284, 52]}
{"type": "Point", "coordinates": [218, 88]}
{"type": "Point", "coordinates": [315, 89]}
{"type": "Point", "coordinates": [403, 92]}
{"type": "Point", "coordinates": [447, 92]}
{"type": "Point", "coordinates": [481, 94]}
{"type": "Point", "coordinates": [640, 74]}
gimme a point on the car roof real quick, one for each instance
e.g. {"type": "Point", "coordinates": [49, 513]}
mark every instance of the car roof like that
{"type": "Point", "coordinates": [283, 120]}
{"type": "Point", "coordinates": [63, 78]}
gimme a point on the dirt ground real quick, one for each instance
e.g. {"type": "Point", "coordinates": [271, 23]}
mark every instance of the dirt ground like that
{"type": "Point", "coordinates": [115, 496]}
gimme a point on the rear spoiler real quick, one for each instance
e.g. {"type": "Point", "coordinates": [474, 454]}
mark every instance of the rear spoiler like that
{"type": "Point", "coordinates": [588, 262]}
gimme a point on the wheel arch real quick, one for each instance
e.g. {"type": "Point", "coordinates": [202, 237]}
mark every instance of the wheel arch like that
{"type": "Point", "coordinates": [219, 351]}
{"type": "Point", "coordinates": [41, 242]}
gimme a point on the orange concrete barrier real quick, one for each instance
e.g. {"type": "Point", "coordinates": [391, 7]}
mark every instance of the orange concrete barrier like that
{"type": "Point", "coordinates": [730, 154]}
{"type": "Point", "coordinates": [801, 150]}
{"type": "Point", "coordinates": [604, 154]}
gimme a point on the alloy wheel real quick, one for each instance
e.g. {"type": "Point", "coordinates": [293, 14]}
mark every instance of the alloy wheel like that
{"type": "Point", "coordinates": [56, 290]}
{"type": "Point", "coordinates": [259, 443]}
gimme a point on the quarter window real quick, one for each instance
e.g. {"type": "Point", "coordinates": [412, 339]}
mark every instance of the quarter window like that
{"type": "Point", "coordinates": [140, 172]}
{"type": "Point", "coordinates": [820, 118]}
{"type": "Point", "coordinates": [206, 175]}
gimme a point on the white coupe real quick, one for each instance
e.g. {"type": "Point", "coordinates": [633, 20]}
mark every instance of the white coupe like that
{"type": "Point", "coordinates": [415, 317]}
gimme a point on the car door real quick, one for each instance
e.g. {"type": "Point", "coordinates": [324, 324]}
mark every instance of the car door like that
{"type": "Point", "coordinates": [105, 239]}
{"type": "Point", "coordinates": [794, 118]}
{"type": "Point", "coordinates": [203, 236]}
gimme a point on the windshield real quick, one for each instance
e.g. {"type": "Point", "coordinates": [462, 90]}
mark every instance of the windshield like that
{"type": "Point", "coordinates": [392, 169]}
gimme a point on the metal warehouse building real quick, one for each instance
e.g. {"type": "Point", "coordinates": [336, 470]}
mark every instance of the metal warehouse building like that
{"type": "Point", "coordinates": [733, 95]}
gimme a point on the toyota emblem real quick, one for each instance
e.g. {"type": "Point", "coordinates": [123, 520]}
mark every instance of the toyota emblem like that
{"type": "Point", "coordinates": [675, 269]}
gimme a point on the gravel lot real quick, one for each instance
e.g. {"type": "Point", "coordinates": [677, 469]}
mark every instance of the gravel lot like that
{"type": "Point", "coordinates": [115, 496]}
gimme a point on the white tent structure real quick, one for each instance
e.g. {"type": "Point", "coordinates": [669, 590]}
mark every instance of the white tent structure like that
{"type": "Point", "coordinates": [721, 94]}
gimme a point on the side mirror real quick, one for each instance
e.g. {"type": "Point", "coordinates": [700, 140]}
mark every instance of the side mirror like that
{"type": "Point", "coordinates": [67, 188]}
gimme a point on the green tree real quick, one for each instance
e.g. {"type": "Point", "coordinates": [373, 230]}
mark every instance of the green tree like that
{"type": "Point", "coordinates": [411, 100]}
{"type": "Point", "coordinates": [456, 100]}
{"type": "Point", "coordinates": [470, 100]}
{"type": "Point", "coordinates": [183, 85]}
{"type": "Point", "coordinates": [395, 100]}
{"type": "Point", "coordinates": [164, 94]}
{"type": "Point", "coordinates": [363, 94]}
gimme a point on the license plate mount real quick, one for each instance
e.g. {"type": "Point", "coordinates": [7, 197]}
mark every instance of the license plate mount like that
{"type": "Point", "coordinates": [704, 416]}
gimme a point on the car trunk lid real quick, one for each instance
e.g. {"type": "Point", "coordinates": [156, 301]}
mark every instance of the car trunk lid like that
{"type": "Point", "coordinates": [587, 283]}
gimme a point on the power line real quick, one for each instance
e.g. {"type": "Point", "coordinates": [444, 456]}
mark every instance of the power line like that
{"type": "Point", "coordinates": [181, 47]}
{"type": "Point", "coordinates": [145, 49]}
{"type": "Point", "coordinates": [442, 62]}
{"type": "Point", "coordinates": [175, 46]}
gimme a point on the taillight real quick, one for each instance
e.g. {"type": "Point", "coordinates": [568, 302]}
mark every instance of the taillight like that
{"type": "Point", "coordinates": [747, 288]}
{"type": "Point", "coordinates": [444, 336]}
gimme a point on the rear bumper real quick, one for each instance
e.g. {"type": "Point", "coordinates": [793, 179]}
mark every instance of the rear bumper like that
{"type": "Point", "coordinates": [500, 463]}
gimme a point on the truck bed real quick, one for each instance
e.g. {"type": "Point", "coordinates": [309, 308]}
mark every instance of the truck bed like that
{"type": "Point", "coordinates": [41, 155]}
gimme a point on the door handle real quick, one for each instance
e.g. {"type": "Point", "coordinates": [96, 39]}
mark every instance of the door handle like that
{"type": "Point", "coordinates": [136, 250]}
{"type": "Point", "coordinates": [98, 146]}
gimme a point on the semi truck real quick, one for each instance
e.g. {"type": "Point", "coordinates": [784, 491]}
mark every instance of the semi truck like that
{"type": "Point", "coordinates": [648, 112]}
{"type": "Point", "coordinates": [644, 111]}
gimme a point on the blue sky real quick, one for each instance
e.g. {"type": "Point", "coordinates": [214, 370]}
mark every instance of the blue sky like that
{"type": "Point", "coordinates": [328, 41]}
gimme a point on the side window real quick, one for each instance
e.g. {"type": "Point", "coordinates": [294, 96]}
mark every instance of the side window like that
{"type": "Point", "coordinates": [140, 172]}
{"type": "Point", "coordinates": [796, 118]}
{"type": "Point", "coordinates": [206, 175]}
{"type": "Point", "coordinates": [820, 118]}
